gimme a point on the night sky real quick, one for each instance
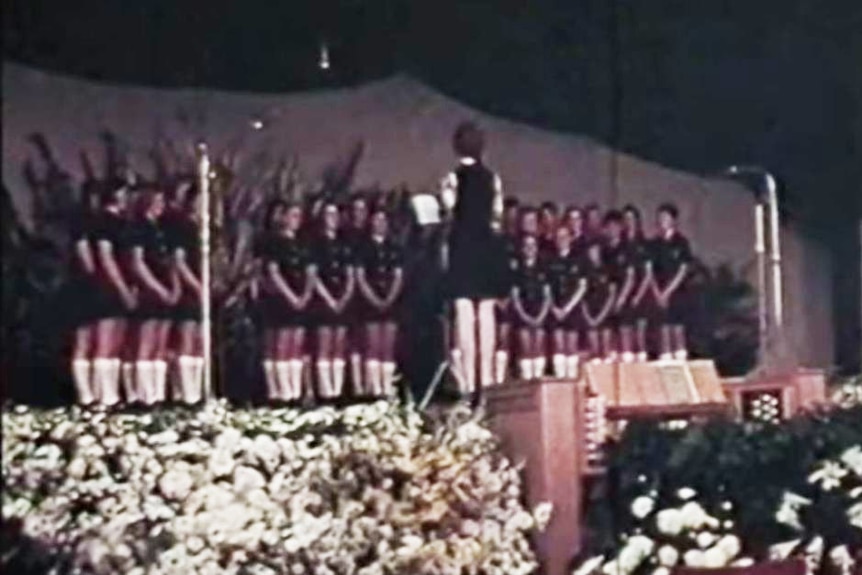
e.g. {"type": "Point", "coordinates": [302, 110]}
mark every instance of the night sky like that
{"type": "Point", "coordinates": [696, 85]}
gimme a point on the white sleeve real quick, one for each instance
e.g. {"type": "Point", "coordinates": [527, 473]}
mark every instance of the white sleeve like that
{"type": "Point", "coordinates": [449, 191]}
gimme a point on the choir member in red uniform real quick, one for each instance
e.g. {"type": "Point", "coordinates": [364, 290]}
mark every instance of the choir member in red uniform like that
{"type": "Point", "coordinates": [356, 233]}
{"type": "Point", "coordinates": [636, 314]}
{"type": "Point", "coordinates": [272, 219]}
{"type": "Point", "coordinates": [671, 265]}
{"type": "Point", "coordinates": [114, 296]}
{"type": "Point", "coordinates": [512, 234]}
{"type": "Point", "coordinates": [380, 278]}
{"type": "Point", "coordinates": [574, 220]}
{"type": "Point", "coordinates": [568, 286]}
{"type": "Point", "coordinates": [529, 225]}
{"type": "Point", "coordinates": [549, 216]}
{"type": "Point", "coordinates": [593, 222]}
{"type": "Point", "coordinates": [598, 303]}
{"type": "Point", "coordinates": [622, 269]}
{"type": "Point", "coordinates": [151, 266]}
{"type": "Point", "coordinates": [531, 303]}
{"type": "Point", "coordinates": [334, 287]}
{"type": "Point", "coordinates": [289, 287]}
{"type": "Point", "coordinates": [187, 314]}
{"type": "Point", "coordinates": [84, 284]}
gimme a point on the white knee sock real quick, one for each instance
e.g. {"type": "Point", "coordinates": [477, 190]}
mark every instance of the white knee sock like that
{"type": "Point", "coordinates": [487, 342]}
{"type": "Point", "coordinates": [539, 367]}
{"type": "Point", "coordinates": [558, 362]}
{"type": "Point", "coordinates": [680, 355]}
{"type": "Point", "coordinates": [160, 381]}
{"type": "Point", "coordinates": [501, 366]}
{"type": "Point", "coordinates": [572, 362]}
{"type": "Point", "coordinates": [270, 379]}
{"type": "Point", "coordinates": [127, 376]}
{"type": "Point", "coordinates": [526, 367]}
{"type": "Point", "coordinates": [196, 391]}
{"type": "Point", "coordinates": [186, 366]}
{"type": "Point", "coordinates": [109, 380]}
{"type": "Point", "coordinates": [388, 368]}
{"type": "Point", "coordinates": [283, 391]}
{"type": "Point", "coordinates": [83, 378]}
{"type": "Point", "coordinates": [356, 374]}
{"type": "Point", "coordinates": [339, 367]}
{"type": "Point", "coordinates": [324, 378]}
{"type": "Point", "coordinates": [373, 378]}
{"type": "Point", "coordinates": [295, 367]}
{"type": "Point", "coordinates": [465, 332]}
{"type": "Point", "coordinates": [145, 375]}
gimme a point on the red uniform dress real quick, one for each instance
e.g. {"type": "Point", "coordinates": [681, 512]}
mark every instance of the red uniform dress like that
{"type": "Point", "coordinates": [106, 300]}
{"type": "Point", "coordinates": [150, 236]}
{"type": "Point", "coordinates": [565, 273]}
{"type": "Point", "coordinates": [531, 282]}
{"type": "Point", "coordinates": [669, 255]}
{"type": "Point", "coordinates": [599, 286]}
{"type": "Point", "coordinates": [380, 260]}
{"type": "Point", "coordinates": [640, 257]}
{"type": "Point", "coordinates": [333, 257]}
{"type": "Point", "coordinates": [618, 262]}
{"type": "Point", "coordinates": [185, 235]}
{"type": "Point", "coordinates": [291, 256]}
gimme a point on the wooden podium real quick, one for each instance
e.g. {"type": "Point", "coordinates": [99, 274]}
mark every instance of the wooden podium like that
{"type": "Point", "coordinates": [540, 423]}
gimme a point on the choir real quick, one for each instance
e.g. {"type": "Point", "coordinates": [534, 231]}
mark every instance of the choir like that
{"type": "Point", "coordinates": [577, 284]}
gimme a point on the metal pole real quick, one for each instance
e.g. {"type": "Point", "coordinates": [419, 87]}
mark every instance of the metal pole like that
{"type": "Point", "coordinates": [775, 251]}
{"type": "Point", "coordinates": [760, 251]}
{"type": "Point", "coordinates": [206, 284]}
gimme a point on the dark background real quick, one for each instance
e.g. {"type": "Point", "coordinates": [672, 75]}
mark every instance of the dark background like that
{"type": "Point", "coordinates": [694, 85]}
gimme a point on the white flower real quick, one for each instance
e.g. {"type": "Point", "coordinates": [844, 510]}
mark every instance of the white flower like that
{"type": "Point", "coordinates": [661, 571]}
{"type": "Point", "coordinates": [221, 463]}
{"type": "Point", "coordinates": [743, 562]}
{"type": "Point", "coordinates": [176, 484]}
{"type": "Point", "coordinates": [788, 510]}
{"type": "Point", "coordinates": [694, 558]}
{"type": "Point", "coordinates": [829, 475]}
{"type": "Point", "coordinates": [854, 515]}
{"type": "Point", "coordinates": [669, 522]}
{"type": "Point", "coordinates": [589, 566]}
{"type": "Point", "coordinates": [636, 550]}
{"type": "Point", "coordinates": [715, 557]}
{"type": "Point", "coordinates": [841, 557]}
{"type": "Point", "coordinates": [686, 493]}
{"type": "Point", "coordinates": [852, 458]}
{"type": "Point", "coordinates": [77, 468]}
{"type": "Point", "coordinates": [642, 506]}
{"type": "Point", "coordinates": [542, 515]}
{"type": "Point", "coordinates": [668, 556]}
{"type": "Point", "coordinates": [694, 516]}
{"type": "Point", "coordinates": [228, 440]}
{"type": "Point", "coordinates": [731, 545]}
{"type": "Point", "coordinates": [780, 551]}
{"type": "Point", "coordinates": [705, 539]}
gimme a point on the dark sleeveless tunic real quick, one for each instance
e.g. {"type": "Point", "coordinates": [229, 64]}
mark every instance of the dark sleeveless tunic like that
{"type": "Point", "coordinates": [477, 257]}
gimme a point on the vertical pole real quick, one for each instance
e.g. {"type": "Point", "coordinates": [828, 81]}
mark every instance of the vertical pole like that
{"type": "Point", "coordinates": [206, 283]}
{"type": "Point", "coordinates": [775, 253]}
{"type": "Point", "coordinates": [762, 305]}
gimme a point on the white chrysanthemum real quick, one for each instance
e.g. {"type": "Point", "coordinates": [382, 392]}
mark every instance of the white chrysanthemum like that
{"type": "Point", "coordinates": [852, 458]}
{"type": "Point", "coordinates": [829, 475]}
{"type": "Point", "coordinates": [642, 506]}
{"type": "Point", "coordinates": [694, 558]}
{"type": "Point", "coordinates": [705, 539]}
{"type": "Point", "coordinates": [176, 484]}
{"type": "Point", "coordinates": [669, 522]}
{"type": "Point", "coordinates": [694, 516]}
{"type": "Point", "coordinates": [668, 556]}
{"type": "Point", "coordinates": [686, 493]}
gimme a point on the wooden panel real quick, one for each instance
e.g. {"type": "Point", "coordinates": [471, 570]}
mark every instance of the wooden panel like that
{"type": "Point", "coordinates": [645, 378]}
{"type": "Point", "coordinates": [707, 381]}
{"type": "Point", "coordinates": [539, 423]}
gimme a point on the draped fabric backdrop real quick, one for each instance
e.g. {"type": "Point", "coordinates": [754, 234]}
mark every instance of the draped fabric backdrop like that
{"type": "Point", "coordinates": [406, 127]}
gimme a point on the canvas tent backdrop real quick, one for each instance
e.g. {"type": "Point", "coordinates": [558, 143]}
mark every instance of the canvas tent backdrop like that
{"type": "Point", "coordinates": [406, 127]}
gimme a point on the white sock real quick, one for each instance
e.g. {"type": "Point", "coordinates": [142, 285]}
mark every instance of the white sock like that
{"type": "Point", "coordinates": [283, 391]}
{"type": "Point", "coordinates": [558, 362]}
{"type": "Point", "coordinates": [186, 366]}
{"type": "Point", "coordinates": [83, 378]}
{"type": "Point", "coordinates": [666, 356]}
{"type": "Point", "coordinates": [339, 367]}
{"type": "Point", "coordinates": [628, 357]}
{"type": "Point", "coordinates": [526, 366]}
{"type": "Point", "coordinates": [160, 381]}
{"type": "Point", "coordinates": [145, 375]}
{"type": "Point", "coordinates": [388, 368]}
{"type": "Point", "coordinates": [642, 356]}
{"type": "Point", "coordinates": [465, 332]}
{"type": "Point", "coordinates": [572, 362]}
{"type": "Point", "coordinates": [197, 384]}
{"type": "Point", "coordinates": [296, 366]}
{"type": "Point", "coordinates": [270, 379]}
{"type": "Point", "coordinates": [501, 367]}
{"type": "Point", "coordinates": [356, 374]}
{"type": "Point", "coordinates": [487, 342]}
{"type": "Point", "coordinates": [539, 367]}
{"type": "Point", "coordinates": [681, 355]}
{"type": "Point", "coordinates": [458, 369]}
{"type": "Point", "coordinates": [127, 376]}
{"type": "Point", "coordinates": [108, 371]}
{"type": "Point", "coordinates": [324, 378]}
{"type": "Point", "coordinates": [373, 378]}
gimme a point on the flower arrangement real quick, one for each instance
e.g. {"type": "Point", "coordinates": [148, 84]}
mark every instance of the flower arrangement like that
{"type": "Point", "coordinates": [767, 491]}
{"type": "Point", "coordinates": [370, 489]}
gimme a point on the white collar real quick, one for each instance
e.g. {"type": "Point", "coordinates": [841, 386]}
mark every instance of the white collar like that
{"type": "Point", "coordinates": [467, 161]}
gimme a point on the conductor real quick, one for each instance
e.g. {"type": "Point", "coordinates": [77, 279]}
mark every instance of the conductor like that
{"type": "Point", "coordinates": [473, 197]}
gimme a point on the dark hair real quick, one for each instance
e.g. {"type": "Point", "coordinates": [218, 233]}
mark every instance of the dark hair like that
{"type": "Point", "coordinates": [669, 209]}
{"type": "Point", "coordinates": [274, 206]}
{"type": "Point", "coordinates": [632, 209]}
{"type": "Point", "coordinates": [550, 207]}
{"type": "Point", "coordinates": [613, 217]}
{"type": "Point", "coordinates": [511, 202]}
{"type": "Point", "coordinates": [469, 140]}
{"type": "Point", "coordinates": [110, 190]}
{"type": "Point", "coordinates": [592, 207]}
